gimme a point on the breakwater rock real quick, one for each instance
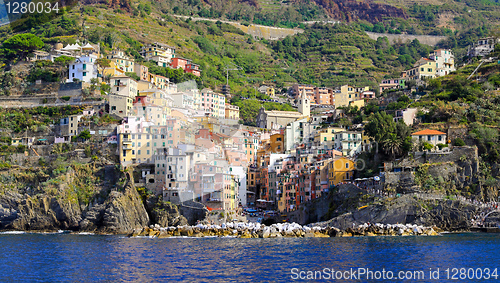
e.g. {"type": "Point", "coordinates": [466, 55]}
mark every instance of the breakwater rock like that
{"type": "Point", "coordinates": [257, 230]}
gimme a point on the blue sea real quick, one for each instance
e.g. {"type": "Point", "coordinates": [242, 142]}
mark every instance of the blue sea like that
{"type": "Point", "coordinates": [88, 258]}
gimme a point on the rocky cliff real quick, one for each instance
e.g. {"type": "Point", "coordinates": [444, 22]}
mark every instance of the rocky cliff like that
{"type": "Point", "coordinates": [351, 10]}
{"type": "Point", "coordinates": [448, 215]}
{"type": "Point", "coordinates": [86, 198]}
{"type": "Point", "coordinates": [349, 205]}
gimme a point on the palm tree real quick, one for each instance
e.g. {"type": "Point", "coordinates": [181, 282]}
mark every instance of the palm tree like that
{"type": "Point", "coordinates": [392, 145]}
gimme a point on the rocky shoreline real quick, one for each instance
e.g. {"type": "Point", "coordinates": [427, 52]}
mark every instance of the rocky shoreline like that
{"type": "Point", "coordinates": [257, 230]}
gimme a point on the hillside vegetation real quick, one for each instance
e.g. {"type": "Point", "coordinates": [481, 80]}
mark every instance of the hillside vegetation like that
{"type": "Point", "coordinates": [324, 55]}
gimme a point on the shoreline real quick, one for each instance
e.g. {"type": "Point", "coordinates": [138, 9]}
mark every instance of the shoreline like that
{"type": "Point", "coordinates": [129, 235]}
{"type": "Point", "coordinates": [286, 230]}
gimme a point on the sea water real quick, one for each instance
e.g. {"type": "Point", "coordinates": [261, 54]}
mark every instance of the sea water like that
{"type": "Point", "coordinates": [61, 257]}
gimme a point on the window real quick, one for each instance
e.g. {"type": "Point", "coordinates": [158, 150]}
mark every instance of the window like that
{"type": "Point", "coordinates": [428, 138]}
{"type": "Point", "coordinates": [440, 138]}
{"type": "Point", "coordinates": [84, 74]}
{"type": "Point", "coordinates": [139, 151]}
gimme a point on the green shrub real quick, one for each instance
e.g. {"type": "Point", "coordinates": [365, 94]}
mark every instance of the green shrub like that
{"type": "Point", "coordinates": [458, 142]}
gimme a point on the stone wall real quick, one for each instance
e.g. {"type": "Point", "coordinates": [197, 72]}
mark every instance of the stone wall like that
{"type": "Point", "coordinates": [459, 166]}
{"type": "Point", "coordinates": [193, 211]}
{"type": "Point", "coordinates": [393, 38]}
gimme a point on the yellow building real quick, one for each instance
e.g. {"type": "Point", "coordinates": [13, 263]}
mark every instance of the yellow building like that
{"type": "Point", "coordinates": [160, 98]}
{"type": "Point", "coordinates": [232, 112]}
{"type": "Point", "coordinates": [121, 61]}
{"type": "Point", "coordinates": [250, 150]}
{"type": "Point", "coordinates": [271, 92]}
{"type": "Point", "coordinates": [160, 82]}
{"type": "Point", "coordinates": [340, 170]}
{"type": "Point", "coordinates": [145, 85]}
{"type": "Point", "coordinates": [359, 103]}
{"type": "Point", "coordinates": [423, 68]}
{"type": "Point", "coordinates": [345, 95]}
{"type": "Point", "coordinates": [210, 123]}
{"type": "Point", "coordinates": [229, 197]}
{"type": "Point", "coordinates": [277, 143]}
{"type": "Point", "coordinates": [325, 135]}
{"type": "Point", "coordinates": [112, 70]}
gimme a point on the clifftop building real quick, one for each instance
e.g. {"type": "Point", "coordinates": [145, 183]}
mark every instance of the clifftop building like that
{"type": "Point", "coordinates": [482, 47]}
{"type": "Point", "coordinates": [277, 119]}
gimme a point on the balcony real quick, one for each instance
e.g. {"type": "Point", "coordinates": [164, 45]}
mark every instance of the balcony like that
{"type": "Point", "coordinates": [127, 147]}
{"type": "Point", "coordinates": [120, 84]}
{"type": "Point", "coordinates": [126, 141]}
{"type": "Point", "coordinates": [353, 139]}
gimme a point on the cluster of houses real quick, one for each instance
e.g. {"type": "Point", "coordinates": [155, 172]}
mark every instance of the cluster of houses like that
{"type": "Point", "coordinates": [439, 63]}
{"type": "Point", "coordinates": [189, 145]}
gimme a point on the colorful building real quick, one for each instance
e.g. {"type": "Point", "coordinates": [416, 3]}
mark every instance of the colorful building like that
{"type": "Point", "coordinates": [340, 170]}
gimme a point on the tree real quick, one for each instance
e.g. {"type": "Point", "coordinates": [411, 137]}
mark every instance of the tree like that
{"type": "Point", "coordinates": [21, 45]}
{"type": "Point", "coordinates": [458, 142]}
{"type": "Point", "coordinates": [427, 146]}
{"type": "Point", "coordinates": [103, 63]}
{"type": "Point", "coordinates": [85, 135]}
{"type": "Point", "coordinates": [93, 84]}
{"type": "Point", "coordinates": [63, 62]}
{"type": "Point", "coordinates": [392, 145]}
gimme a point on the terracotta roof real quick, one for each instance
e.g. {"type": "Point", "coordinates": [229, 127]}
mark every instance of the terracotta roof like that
{"type": "Point", "coordinates": [428, 132]}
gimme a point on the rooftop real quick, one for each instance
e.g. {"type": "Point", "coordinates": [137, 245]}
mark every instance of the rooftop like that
{"type": "Point", "coordinates": [428, 132]}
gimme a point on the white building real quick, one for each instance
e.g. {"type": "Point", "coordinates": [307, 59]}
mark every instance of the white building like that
{"type": "Point", "coordinates": [241, 176]}
{"type": "Point", "coordinates": [295, 133]}
{"type": "Point", "coordinates": [183, 100]}
{"type": "Point", "coordinates": [161, 53]}
{"type": "Point", "coordinates": [407, 115]}
{"type": "Point", "coordinates": [430, 136]}
{"type": "Point", "coordinates": [83, 69]}
{"type": "Point", "coordinates": [483, 47]}
{"type": "Point", "coordinates": [445, 61]}
{"type": "Point", "coordinates": [349, 142]}
{"type": "Point", "coordinates": [124, 86]}
{"type": "Point", "coordinates": [172, 168]}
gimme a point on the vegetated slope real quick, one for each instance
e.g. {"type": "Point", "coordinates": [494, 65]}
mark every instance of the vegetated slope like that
{"type": "Point", "coordinates": [324, 55]}
{"type": "Point", "coordinates": [339, 54]}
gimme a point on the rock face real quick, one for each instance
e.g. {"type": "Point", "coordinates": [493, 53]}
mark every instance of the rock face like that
{"type": "Point", "coordinates": [123, 212]}
{"type": "Point", "coordinates": [447, 215]}
{"type": "Point", "coordinates": [350, 10]}
{"type": "Point", "coordinates": [120, 213]}
{"type": "Point", "coordinates": [116, 210]}
{"type": "Point", "coordinates": [164, 213]}
{"type": "Point", "coordinates": [24, 212]}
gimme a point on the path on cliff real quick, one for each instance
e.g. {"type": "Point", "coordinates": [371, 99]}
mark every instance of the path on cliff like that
{"type": "Point", "coordinates": [266, 32]}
